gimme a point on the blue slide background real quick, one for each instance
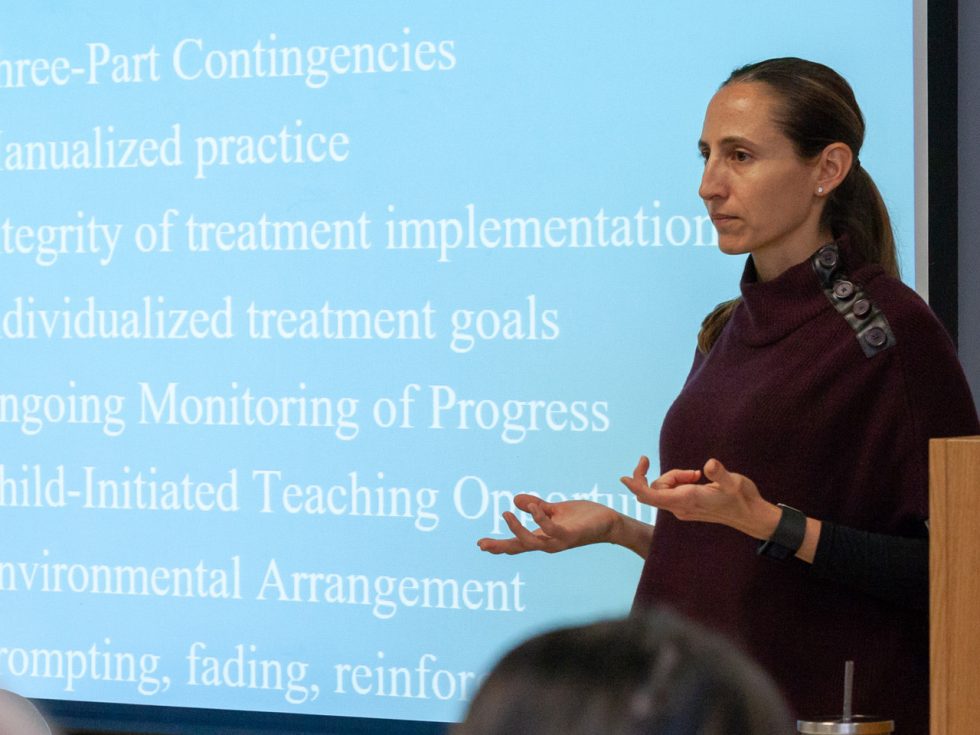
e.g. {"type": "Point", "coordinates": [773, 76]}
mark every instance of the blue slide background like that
{"type": "Point", "coordinates": [549, 110]}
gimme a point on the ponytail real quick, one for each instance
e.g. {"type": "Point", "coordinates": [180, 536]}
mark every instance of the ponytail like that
{"type": "Point", "coordinates": [856, 210]}
{"type": "Point", "coordinates": [713, 324]}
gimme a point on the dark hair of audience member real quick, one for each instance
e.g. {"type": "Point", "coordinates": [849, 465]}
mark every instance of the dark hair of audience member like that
{"type": "Point", "coordinates": [653, 674]}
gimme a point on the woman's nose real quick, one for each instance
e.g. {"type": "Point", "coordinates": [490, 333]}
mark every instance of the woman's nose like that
{"type": "Point", "coordinates": [712, 181]}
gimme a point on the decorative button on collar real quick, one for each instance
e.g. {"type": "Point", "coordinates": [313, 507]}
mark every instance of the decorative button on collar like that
{"type": "Point", "coordinates": [843, 290]}
{"type": "Point", "coordinates": [876, 337]}
{"type": "Point", "coordinates": [828, 257]}
{"type": "Point", "coordinates": [870, 326]}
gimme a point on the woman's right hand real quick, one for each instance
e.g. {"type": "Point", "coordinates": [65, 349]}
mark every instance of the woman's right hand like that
{"type": "Point", "coordinates": [561, 526]}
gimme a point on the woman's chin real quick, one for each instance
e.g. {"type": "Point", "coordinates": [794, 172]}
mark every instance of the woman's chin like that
{"type": "Point", "coordinates": [733, 246]}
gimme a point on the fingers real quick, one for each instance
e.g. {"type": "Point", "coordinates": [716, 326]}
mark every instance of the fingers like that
{"type": "Point", "coordinates": [634, 485]}
{"type": "Point", "coordinates": [715, 470]}
{"type": "Point", "coordinates": [524, 539]}
{"type": "Point", "coordinates": [638, 481]}
{"type": "Point", "coordinates": [540, 511]}
{"type": "Point", "coordinates": [542, 516]}
{"type": "Point", "coordinates": [640, 471]}
{"type": "Point", "coordinates": [666, 498]}
{"type": "Point", "coordinates": [524, 501]}
{"type": "Point", "coordinates": [731, 483]}
{"type": "Point", "coordinates": [500, 545]}
{"type": "Point", "coordinates": [642, 467]}
{"type": "Point", "coordinates": [675, 490]}
{"type": "Point", "coordinates": [673, 478]}
{"type": "Point", "coordinates": [522, 534]}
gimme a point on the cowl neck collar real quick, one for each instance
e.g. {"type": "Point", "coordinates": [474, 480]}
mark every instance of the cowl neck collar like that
{"type": "Point", "coordinates": [770, 310]}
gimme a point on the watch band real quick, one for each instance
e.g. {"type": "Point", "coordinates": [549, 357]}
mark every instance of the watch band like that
{"type": "Point", "coordinates": [788, 536]}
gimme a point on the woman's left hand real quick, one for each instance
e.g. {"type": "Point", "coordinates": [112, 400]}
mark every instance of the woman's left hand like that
{"type": "Point", "coordinates": [728, 498]}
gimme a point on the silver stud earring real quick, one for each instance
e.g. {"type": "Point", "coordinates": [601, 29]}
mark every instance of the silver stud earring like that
{"type": "Point", "coordinates": [819, 190]}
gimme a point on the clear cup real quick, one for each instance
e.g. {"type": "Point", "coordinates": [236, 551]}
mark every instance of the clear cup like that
{"type": "Point", "coordinates": [855, 725]}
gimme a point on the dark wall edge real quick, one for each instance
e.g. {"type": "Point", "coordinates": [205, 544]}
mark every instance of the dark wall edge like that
{"type": "Point", "coordinates": [943, 152]}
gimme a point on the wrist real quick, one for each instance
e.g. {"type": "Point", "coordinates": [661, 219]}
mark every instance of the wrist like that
{"type": "Point", "coordinates": [760, 521]}
{"type": "Point", "coordinates": [618, 530]}
{"type": "Point", "coordinates": [768, 520]}
{"type": "Point", "coordinates": [631, 534]}
{"type": "Point", "coordinates": [788, 536]}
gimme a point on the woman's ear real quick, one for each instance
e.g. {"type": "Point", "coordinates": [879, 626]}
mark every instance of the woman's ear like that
{"type": "Point", "coordinates": [833, 166]}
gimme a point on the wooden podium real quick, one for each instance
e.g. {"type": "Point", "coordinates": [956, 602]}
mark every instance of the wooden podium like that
{"type": "Point", "coordinates": [954, 572]}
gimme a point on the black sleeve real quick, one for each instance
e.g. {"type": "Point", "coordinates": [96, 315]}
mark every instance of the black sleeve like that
{"type": "Point", "coordinates": [891, 568]}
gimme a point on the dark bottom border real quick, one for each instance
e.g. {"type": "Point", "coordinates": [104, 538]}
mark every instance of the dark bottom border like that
{"type": "Point", "coordinates": [95, 717]}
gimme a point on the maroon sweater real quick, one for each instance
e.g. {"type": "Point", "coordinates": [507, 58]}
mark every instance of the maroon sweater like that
{"type": "Point", "coordinates": [789, 397]}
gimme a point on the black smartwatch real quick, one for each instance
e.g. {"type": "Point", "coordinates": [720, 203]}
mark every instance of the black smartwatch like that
{"type": "Point", "coordinates": [788, 536]}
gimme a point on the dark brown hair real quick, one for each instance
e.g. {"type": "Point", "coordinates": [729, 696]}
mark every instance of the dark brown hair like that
{"type": "Point", "coordinates": [816, 108]}
{"type": "Point", "coordinates": [652, 674]}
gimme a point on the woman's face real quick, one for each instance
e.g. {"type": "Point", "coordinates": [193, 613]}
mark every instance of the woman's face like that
{"type": "Point", "coordinates": [761, 196]}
